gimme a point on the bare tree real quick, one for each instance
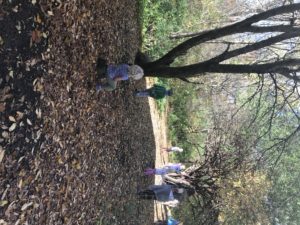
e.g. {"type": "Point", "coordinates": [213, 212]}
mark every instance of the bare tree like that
{"type": "Point", "coordinates": [287, 67]}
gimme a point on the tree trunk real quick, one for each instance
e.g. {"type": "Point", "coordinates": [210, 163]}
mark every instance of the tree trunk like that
{"type": "Point", "coordinates": [284, 67]}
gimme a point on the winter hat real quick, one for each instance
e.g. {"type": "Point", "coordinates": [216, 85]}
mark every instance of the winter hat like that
{"type": "Point", "coordinates": [135, 72]}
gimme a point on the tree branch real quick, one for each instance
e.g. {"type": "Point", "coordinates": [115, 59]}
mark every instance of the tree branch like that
{"type": "Point", "coordinates": [252, 47]}
{"type": "Point", "coordinates": [238, 27]}
{"type": "Point", "coordinates": [271, 29]}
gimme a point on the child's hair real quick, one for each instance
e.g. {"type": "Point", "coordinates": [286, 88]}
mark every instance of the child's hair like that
{"type": "Point", "coordinates": [135, 72]}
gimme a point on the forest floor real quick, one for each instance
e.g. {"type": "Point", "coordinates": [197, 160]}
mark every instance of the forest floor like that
{"type": "Point", "coordinates": [67, 154]}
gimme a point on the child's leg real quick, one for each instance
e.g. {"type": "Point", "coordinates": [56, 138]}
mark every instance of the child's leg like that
{"type": "Point", "coordinates": [102, 72]}
{"type": "Point", "coordinates": [101, 67]}
{"type": "Point", "coordinates": [147, 194]}
{"type": "Point", "coordinates": [142, 94]}
{"type": "Point", "coordinates": [163, 149]}
{"type": "Point", "coordinates": [166, 149]}
{"type": "Point", "coordinates": [110, 85]}
{"type": "Point", "coordinates": [169, 149]}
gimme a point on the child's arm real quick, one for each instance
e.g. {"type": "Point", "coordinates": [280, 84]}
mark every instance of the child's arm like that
{"type": "Point", "coordinates": [172, 203]}
{"type": "Point", "coordinates": [118, 78]}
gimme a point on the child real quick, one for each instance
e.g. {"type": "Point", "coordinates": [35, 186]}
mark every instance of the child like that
{"type": "Point", "coordinates": [174, 167]}
{"type": "Point", "coordinates": [169, 195]}
{"type": "Point", "coordinates": [115, 73]}
{"type": "Point", "coordinates": [169, 168]}
{"type": "Point", "coordinates": [156, 92]}
{"type": "Point", "coordinates": [173, 149]}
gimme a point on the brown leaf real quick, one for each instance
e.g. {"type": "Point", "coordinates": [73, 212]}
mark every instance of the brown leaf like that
{"type": "Point", "coordinates": [4, 97]}
{"type": "Point", "coordinates": [2, 107]}
{"type": "Point", "coordinates": [36, 36]}
{"type": "Point", "coordinates": [29, 122]}
{"type": "Point", "coordinates": [19, 115]}
{"type": "Point", "coordinates": [38, 112]}
{"type": "Point", "coordinates": [37, 19]}
{"type": "Point", "coordinates": [12, 127]}
{"type": "Point", "coordinates": [3, 203]}
{"type": "Point", "coordinates": [26, 206]}
{"type": "Point", "coordinates": [5, 134]}
{"type": "Point", "coordinates": [2, 152]}
{"type": "Point", "coordinates": [12, 119]}
{"type": "Point", "coordinates": [2, 222]}
{"type": "Point", "coordinates": [20, 184]}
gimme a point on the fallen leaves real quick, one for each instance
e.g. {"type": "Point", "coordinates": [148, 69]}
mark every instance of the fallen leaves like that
{"type": "Point", "coordinates": [20, 184]}
{"type": "Point", "coordinates": [66, 151]}
{"type": "Point", "coordinates": [38, 85]}
{"type": "Point", "coordinates": [29, 122]}
{"type": "Point", "coordinates": [26, 206]}
{"type": "Point", "coordinates": [3, 203]}
{"type": "Point", "coordinates": [19, 115]}
{"type": "Point", "coordinates": [2, 222]}
{"type": "Point", "coordinates": [36, 36]}
{"type": "Point", "coordinates": [5, 134]}
{"type": "Point", "coordinates": [5, 94]}
{"type": "Point", "coordinates": [38, 113]}
{"type": "Point", "coordinates": [12, 127]}
{"type": "Point", "coordinates": [2, 107]}
{"type": "Point", "coordinates": [11, 73]}
{"type": "Point", "coordinates": [2, 153]}
{"type": "Point", "coordinates": [50, 13]}
{"type": "Point", "coordinates": [12, 119]}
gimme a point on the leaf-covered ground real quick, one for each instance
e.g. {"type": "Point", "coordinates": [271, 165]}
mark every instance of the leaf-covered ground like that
{"type": "Point", "coordinates": [68, 155]}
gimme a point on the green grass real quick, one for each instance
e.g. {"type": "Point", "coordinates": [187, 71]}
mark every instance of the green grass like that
{"type": "Point", "coordinates": [161, 18]}
{"type": "Point", "coordinates": [162, 103]}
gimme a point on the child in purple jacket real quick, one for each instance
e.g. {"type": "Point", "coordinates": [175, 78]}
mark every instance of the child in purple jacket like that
{"type": "Point", "coordinates": [115, 73]}
{"type": "Point", "coordinates": [169, 168]}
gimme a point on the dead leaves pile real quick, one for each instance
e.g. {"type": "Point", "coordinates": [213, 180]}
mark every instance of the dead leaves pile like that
{"type": "Point", "coordinates": [76, 157]}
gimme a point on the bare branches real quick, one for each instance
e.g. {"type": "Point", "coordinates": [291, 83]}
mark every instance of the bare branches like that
{"type": "Point", "coordinates": [239, 27]}
{"type": "Point", "coordinates": [249, 48]}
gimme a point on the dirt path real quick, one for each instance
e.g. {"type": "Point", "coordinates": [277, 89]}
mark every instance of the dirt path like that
{"type": "Point", "coordinates": [159, 123]}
